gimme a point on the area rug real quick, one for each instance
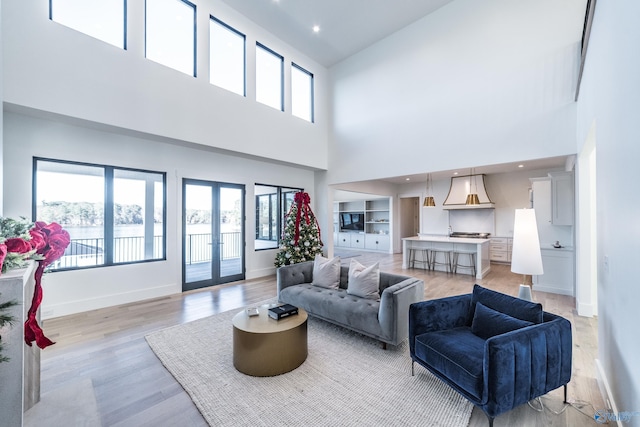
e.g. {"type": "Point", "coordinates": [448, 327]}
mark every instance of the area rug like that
{"type": "Point", "coordinates": [347, 380]}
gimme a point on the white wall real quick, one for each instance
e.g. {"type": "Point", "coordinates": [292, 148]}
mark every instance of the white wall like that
{"type": "Point", "coordinates": [1, 118]}
{"type": "Point", "coordinates": [610, 100]}
{"type": "Point", "coordinates": [76, 291]}
{"type": "Point", "coordinates": [474, 83]}
{"type": "Point", "coordinates": [50, 67]}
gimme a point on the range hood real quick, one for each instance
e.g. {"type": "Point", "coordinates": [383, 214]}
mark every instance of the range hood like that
{"type": "Point", "coordinates": [460, 188]}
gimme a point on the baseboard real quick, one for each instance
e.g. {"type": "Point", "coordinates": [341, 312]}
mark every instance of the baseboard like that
{"type": "Point", "coordinates": [79, 306]}
{"type": "Point", "coordinates": [605, 392]}
{"type": "Point", "coordinates": [587, 310]}
{"type": "Point", "coordinates": [552, 290]}
{"type": "Point", "coordinates": [262, 272]}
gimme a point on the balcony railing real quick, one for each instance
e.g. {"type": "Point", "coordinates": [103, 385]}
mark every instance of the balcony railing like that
{"type": "Point", "coordinates": [88, 252]}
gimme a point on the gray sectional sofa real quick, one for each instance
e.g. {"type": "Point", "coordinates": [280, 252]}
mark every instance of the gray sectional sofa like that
{"type": "Point", "coordinates": [385, 320]}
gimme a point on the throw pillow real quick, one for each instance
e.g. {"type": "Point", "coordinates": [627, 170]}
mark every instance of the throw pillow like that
{"type": "Point", "coordinates": [326, 272]}
{"type": "Point", "coordinates": [514, 307]}
{"type": "Point", "coordinates": [488, 323]}
{"type": "Point", "coordinates": [364, 281]}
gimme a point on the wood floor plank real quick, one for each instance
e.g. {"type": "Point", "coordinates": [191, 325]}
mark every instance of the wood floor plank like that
{"type": "Point", "coordinates": [106, 348]}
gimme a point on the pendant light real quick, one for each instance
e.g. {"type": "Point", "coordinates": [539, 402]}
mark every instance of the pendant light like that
{"type": "Point", "coordinates": [429, 201]}
{"type": "Point", "coordinates": [472, 198]}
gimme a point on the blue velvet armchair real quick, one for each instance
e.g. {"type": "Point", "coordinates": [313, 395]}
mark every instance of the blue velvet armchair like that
{"type": "Point", "coordinates": [497, 351]}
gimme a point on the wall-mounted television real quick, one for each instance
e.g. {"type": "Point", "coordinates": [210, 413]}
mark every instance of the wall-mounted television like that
{"type": "Point", "coordinates": [352, 221]}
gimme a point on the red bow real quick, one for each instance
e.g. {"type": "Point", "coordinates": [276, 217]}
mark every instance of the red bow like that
{"type": "Point", "coordinates": [50, 241]}
{"type": "Point", "coordinates": [302, 199]}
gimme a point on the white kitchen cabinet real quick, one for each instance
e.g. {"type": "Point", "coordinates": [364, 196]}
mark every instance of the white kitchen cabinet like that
{"type": "Point", "coordinates": [344, 240]}
{"type": "Point", "coordinates": [376, 242]}
{"type": "Point", "coordinates": [553, 198]}
{"type": "Point", "coordinates": [351, 240]}
{"type": "Point", "coordinates": [542, 200]}
{"type": "Point", "coordinates": [500, 249]}
{"type": "Point", "coordinates": [558, 267]}
{"type": "Point", "coordinates": [357, 240]}
{"type": "Point", "coordinates": [562, 198]}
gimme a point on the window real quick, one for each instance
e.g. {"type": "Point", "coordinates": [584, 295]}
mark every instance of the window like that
{"type": "Point", "coordinates": [227, 53]}
{"type": "Point", "coordinates": [301, 93]}
{"type": "Point", "coordinates": [269, 77]}
{"type": "Point", "coordinates": [104, 19]}
{"type": "Point", "coordinates": [171, 34]}
{"type": "Point", "coordinates": [113, 215]}
{"type": "Point", "coordinates": [272, 205]}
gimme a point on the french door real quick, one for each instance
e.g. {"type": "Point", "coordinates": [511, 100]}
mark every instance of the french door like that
{"type": "Point", "coordinates": [213, 233]}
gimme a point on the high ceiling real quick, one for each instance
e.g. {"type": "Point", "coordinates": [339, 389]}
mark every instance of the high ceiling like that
{"type": "Point", "coordinates": [536, 164]}
{"type": "Point", "coordinates": [345, 26]}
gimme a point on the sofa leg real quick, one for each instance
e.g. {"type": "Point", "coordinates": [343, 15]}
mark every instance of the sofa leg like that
{"type": "Point", "coordinates": [490, 421]}
{"type": "Point", "coordinates": [384, 345]}
{"type": "Point", "coordinates": [412, 363]}
{"type": "Point", "coordinates": [565, 394]}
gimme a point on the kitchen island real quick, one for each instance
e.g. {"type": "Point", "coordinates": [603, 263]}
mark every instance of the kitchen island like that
{"type": "Point", "coordinates": [446, 243]}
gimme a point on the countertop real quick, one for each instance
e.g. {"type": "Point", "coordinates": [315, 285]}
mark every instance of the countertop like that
{"type": "Point", "coordinates": [551, 248]}
{"type": "Point", "coordinates": [441, 238]}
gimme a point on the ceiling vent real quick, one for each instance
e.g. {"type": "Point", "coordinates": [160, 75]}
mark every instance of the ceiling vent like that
{"type": "Point", "coordinates": [462, 187]}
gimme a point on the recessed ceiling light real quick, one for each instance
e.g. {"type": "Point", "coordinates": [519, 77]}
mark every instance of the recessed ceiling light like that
{"type": "Point", "coordinates": [455, 173]}
{"type": "Point", "coordinates": [520, 166]}
{"type": "Point", "coordinates": [407, 179]}
{"type": "Point", "coordinates": [316, 28]}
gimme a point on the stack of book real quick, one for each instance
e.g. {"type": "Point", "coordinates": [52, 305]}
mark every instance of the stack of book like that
{"type": "Point", "coordinates": [282, 311]}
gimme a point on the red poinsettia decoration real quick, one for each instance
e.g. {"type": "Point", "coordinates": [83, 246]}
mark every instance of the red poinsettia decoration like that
{"type": "Point", "coordinates": [21, 240]}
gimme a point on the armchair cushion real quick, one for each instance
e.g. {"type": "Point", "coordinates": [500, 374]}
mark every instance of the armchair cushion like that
{"type": "Point", "coordinates": [488, 323]}
{"type": "Point", "coordinates": [514, 307]}
{"type": "Point", "coordinates": [456, 354]}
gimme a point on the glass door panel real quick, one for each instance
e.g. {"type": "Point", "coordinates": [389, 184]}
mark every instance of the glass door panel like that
{"type": "Point", "coordinates": [231, 242]}
{"type": "Point", "coordinates": [197, 232]}
{"type": "Point", "coordinates": [213, 233]}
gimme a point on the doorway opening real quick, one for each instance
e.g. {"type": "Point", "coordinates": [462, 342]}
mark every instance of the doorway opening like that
{"type": "Point", "coordinates": [213, 233]}
{"type": "Point", "coordinates": [409, 216]}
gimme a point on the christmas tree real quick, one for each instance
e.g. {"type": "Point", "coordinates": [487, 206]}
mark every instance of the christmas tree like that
{"type": "Point", "coordinates": [5, 319]}
{"type": "Point", "coordinates": [301, 237]}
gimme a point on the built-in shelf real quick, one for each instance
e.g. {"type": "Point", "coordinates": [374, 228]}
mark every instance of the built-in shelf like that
{"type": "Point", "coordinates": [376, 229]}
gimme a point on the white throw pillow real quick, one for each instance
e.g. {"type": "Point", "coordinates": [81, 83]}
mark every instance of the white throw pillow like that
{"type": "Point", "coordinates": [364, 281]}
{"type": "Point", "coordinates": [326, 272]}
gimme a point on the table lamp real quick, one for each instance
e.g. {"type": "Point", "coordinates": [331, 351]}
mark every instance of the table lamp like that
{"type": "Point", "coordinates": [526, 258]}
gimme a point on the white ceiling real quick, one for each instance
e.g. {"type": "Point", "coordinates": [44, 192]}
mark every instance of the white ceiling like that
{"type": "Point", "coordinates": [346, 26]}
{"type": "Point", "coordinates": [537, 164]}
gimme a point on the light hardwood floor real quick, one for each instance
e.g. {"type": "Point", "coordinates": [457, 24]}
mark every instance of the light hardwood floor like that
{"type": "Point", "coordinates": [101, 357]}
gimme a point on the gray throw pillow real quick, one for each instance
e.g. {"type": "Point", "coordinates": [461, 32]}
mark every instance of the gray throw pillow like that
{"type": "Point", "coordinates": [326, 272]}
{"type": "Point", "coordinates": [364, 281]}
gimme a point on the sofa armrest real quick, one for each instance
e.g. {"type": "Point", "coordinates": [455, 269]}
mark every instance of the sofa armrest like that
{"type": "Point", "coordinates": [394, 307]}
{"type": "Point", "coordinates": [294, 274]}
{"type": "Point", "coordinates": [526, 363]}
{"type": "Point", "coordinates": [438, 315]}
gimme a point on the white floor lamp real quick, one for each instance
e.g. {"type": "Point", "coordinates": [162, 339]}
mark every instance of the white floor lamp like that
{"type": "Point", "coordinates": [526, 258]}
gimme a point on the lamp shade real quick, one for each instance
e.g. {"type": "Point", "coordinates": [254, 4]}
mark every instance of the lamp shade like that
{"type": "Point", "coordinates": [429, 202]}
{"type": "Point", "coordinates": [526, 257]}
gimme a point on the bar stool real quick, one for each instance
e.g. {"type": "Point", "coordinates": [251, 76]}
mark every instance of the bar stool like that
{"type": "Point", "coordinates": [457, 264]}
{"type": "Point", "coordinates": [434, 259]}
{"type": "Point", "coordinates": [425, 261]}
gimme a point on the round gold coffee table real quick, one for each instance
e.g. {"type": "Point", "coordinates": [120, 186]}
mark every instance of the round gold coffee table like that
{"type": "Point", "coordinates": [263, 347]}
